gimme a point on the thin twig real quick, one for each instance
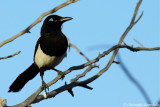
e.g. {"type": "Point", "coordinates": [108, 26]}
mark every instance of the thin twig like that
{"type": "Point", "coordinates": [139, 43]}
{"type": "Point", "coordinates": [10, 55]}
{"type": "Point", "coordinates": [135, 13]}
{"type": "Point", "coordinates": [139, 18]}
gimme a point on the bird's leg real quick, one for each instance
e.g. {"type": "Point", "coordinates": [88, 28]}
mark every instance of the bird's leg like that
{"type": "Point", "coordinates": [44, 85]}
{"type": "Point", "coordinates": [59, 73]}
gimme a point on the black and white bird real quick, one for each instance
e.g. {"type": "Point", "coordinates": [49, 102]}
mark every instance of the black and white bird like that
{"type": "Point", "coordinates": [50, 50]}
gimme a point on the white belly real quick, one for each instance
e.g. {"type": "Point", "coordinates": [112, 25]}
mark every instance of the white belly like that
{"type": "Point", "coordinates": [43, 60]}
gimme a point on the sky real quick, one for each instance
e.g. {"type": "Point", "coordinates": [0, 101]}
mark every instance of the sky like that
{"type": "Point", "coordinates": [97, 25]}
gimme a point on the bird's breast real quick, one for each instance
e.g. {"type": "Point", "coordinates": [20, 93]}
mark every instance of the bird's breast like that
{"type": "Point", "coordinates": [43, 60]}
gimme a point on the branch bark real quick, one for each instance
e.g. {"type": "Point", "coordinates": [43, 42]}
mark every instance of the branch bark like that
{"type": "Point", "coordinates": [10, 55]}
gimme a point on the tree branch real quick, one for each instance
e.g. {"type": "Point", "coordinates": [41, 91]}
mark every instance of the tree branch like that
{"type": "Point", "coordinates": [36, 97]}
{"type": "Point", "coordinates": [119, 43]}
{"type": "Point", "coordinates": [10, 55]}
{"type": "Point", "coordinates": [135, 13]}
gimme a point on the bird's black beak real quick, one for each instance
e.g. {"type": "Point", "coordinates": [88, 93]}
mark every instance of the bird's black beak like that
{"type": "Point", "coordinates": [64, 19]}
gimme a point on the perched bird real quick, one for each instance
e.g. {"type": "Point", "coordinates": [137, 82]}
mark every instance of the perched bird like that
{"type": "Point", "coordinates": [50, 50]}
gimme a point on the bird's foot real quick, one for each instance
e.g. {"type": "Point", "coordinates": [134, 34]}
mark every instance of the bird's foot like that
{"type": "Point", "coordinates": [45, 86]}
{"type": "Point", "coordinates": [61, 74]}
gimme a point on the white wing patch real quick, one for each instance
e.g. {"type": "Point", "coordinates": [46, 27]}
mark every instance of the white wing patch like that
{"type": "Point", "coordinates": [51, 19]}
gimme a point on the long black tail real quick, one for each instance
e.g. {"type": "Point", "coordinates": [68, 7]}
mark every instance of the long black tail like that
{"type": "Point", "coordinates": [23, 78]}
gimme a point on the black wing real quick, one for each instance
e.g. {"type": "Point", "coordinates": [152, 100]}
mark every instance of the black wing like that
{"type": "Point", "coordinates": [38, 42]}
{"type": "Point", "coordinates": [54, 44]}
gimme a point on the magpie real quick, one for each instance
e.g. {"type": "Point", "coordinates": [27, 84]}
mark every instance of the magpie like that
{"type": "Point", "coordinates": [49, 51]}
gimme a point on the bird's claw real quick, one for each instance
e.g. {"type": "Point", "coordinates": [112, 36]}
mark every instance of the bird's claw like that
{"type": "Point", "coordinates": [45, 86]}
{"type": "Point", "coordinates": [61, 74]}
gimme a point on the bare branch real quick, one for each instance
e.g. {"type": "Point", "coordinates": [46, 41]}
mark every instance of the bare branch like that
{"type": "Point", "coordinates": [37, 21]}
{"type": "Point", "coordinates": [138, 18]}
{"type": "Point", "coordinates": [138, 48]}
{"type": "Point", "coordinates": [132, 22]}
{"type": "Point", "coordinates": [136, 11]}
{"type": "Point", "coordinates": [10, 55]}
{"type": "Point", "coordinates": [106, 53]}
{"type": "Point", "coordinates": [120, 41]}
{"type": "Point", "coordinates": [59, 90]}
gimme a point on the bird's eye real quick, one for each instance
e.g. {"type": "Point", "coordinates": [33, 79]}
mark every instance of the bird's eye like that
{"type": "Point", "coordinates": [52, 20]}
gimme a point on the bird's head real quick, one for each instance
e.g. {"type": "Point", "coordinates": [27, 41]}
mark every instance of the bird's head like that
{"type": "Point", "coordinates": [53, 22]}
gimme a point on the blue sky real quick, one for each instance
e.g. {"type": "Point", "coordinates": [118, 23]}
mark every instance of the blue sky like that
{"type": "Point", "coordinates": [97, 26]}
